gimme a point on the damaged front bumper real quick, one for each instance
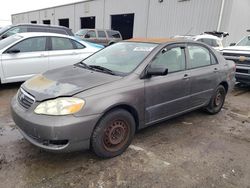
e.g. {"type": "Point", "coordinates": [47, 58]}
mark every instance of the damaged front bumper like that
{"type": "Point", "coordinates": [54, 133]}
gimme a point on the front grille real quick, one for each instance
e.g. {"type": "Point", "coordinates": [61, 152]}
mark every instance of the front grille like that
{"type": "Point", "coordinates": [235, 54]}
{"type": "Point", "coordinates": [25, 99]}
{"type": "Point", "coordinates": [242, 71]}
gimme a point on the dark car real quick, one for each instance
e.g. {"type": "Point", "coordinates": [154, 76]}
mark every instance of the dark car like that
{"type": "Point", "coordinates": [100, 102]}
{"type": "Point", "coordinates": [104, 37]}
{"type": "Point", "coordinates": [24, 28]}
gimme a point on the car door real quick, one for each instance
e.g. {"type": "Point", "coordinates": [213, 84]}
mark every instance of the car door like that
{"type": "Point", "coordinates": [203, 70]}
{"type": "Point", "coordinates": [166, 96]}
{"type": "Point", "coordinates": [25, 59]}
{"type": "Point", "coordinates": [65, 51]}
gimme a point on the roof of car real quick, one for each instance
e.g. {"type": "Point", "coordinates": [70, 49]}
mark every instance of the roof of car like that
{"type": "Point", "coordinates": [152, 40]}
{"type": "Point", "coordinates": [38, 34]}
{"type": "Point", "coordinates": [40, 25]}
{"type": "Point", "coordinates": [207, 36]}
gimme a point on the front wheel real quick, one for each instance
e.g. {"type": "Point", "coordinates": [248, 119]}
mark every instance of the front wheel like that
{"type": "Point", "coordinates": [113, 134]}
{"type": "Point", "coordinates": [217, 101]}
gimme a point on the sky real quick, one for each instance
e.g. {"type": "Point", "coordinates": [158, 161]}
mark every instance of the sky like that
{"type": "Point", "coordinates": [16, 6]}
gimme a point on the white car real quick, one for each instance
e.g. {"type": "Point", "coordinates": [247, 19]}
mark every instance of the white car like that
{"type": "Point", "coordinates": [26, 54]}
{"type": "Point", "coordinates": [213, 38]}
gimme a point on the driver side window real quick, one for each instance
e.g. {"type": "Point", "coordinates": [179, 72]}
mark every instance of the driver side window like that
{"type": "Point", "coordinates": [91, 34]}
{"type": "Point", "coordinates": [173, 59]}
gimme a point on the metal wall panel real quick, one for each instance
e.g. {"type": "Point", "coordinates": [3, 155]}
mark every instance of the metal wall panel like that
{"type": "Point", "coordinates": [88, 9]}
{"type": "Point", "coordinates": [174, 17]}
{"type": "Point", "coordinates": [34, 16]}
{"type": "Point", "coordinates": [20, 18]}
{"type": "Point", "coordinates": [65, 12]}
{"type": "Point", "coordinates": [236, 19]}
{"type": "Point", "coordinates": [48, 14]}
{"type": "Point", "coordinates": [138, 7]}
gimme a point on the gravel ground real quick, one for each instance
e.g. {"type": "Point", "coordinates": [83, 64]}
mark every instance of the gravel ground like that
{"type": "Point", "coordinates": [194, 150]}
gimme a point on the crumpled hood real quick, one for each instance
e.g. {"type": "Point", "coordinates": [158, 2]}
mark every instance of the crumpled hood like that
{"type": "Point", "coordinates": [66, 81]}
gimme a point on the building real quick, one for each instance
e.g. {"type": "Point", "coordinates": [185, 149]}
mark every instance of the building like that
{"type": "Point", "coordinates": [148, 18]}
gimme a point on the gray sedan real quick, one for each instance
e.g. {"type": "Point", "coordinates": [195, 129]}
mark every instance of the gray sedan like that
{"type": "Point", "coordinates": [101, 102]}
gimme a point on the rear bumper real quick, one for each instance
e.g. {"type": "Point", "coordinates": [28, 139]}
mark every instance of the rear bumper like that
{"type": "Point", "coordinates": [56, 134]}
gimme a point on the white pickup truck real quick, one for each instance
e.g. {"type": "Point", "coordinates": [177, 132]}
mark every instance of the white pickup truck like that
{"type": "Point", "coordinates": [240, 54]}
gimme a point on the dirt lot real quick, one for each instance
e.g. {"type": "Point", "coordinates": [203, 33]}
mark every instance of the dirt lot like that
{"type": "Point", "coordinates": [195, 150]}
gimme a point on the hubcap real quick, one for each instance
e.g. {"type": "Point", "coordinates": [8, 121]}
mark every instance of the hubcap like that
{"type": "Point", "coordinates": [116, 135]}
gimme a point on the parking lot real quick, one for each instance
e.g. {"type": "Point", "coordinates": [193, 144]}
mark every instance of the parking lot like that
{"type": "Point", "coordinates": [194, 150]}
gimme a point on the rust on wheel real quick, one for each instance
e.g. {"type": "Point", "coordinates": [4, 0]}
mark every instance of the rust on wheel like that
{"type": "Point", "coordinates": [116, 135]}
{"type": "Point", "coordinates": [218, 99]}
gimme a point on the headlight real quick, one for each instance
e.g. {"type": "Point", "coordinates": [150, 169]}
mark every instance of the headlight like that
{"type": "Point", "coordinates": [61, 106]}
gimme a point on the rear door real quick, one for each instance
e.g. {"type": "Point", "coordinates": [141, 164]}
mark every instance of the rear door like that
{"type": "Point", "coordinates": [166, 96]}
{"type": "Point", "coordinates": [30, 58]}
{"type": "Point", "coordinates": [65, 51]}
{"type": "Point", "coordinates": [203, 70]}
{"type": "Point", "coordinates": [102, 38]}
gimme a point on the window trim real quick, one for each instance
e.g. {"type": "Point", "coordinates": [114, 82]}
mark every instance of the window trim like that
{"type": "Point", "coordinates": [46, 44]}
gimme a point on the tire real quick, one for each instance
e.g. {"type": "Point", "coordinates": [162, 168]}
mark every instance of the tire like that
{"type": "Point", "coordinates": [113, 134]}
{"type": "Point", "coordinates": [217, 101]}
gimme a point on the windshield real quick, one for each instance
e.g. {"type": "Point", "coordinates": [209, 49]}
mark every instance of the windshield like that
{"type": "Point", "coordinates": [8, 41]}
{"type": "Point", "coordinates": [81, 32]}
{"type": "Point", "coordinates": [121, 58]}
{"type": "Point", "coordinates": [2, 30]}
{"type": "Point", "coordinates": [244, 42]}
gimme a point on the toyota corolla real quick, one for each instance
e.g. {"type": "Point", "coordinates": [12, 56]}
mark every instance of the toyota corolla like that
{"type": "Point", "coordinates": [101, 102]}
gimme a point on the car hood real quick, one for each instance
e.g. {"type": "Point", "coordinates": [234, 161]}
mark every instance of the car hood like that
{"type": "Point", "coordinates": [66, 81]}
{"type": "Point", "coordinates": [237, 48]}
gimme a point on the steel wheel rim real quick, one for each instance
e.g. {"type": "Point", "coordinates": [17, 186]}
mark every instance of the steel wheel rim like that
{"type": "Point", "coordinates": [218, 99]}
{"type": "Point", "coordinates": [116, 135]}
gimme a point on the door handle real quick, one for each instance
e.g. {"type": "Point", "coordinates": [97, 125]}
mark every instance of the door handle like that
{"type": "Point", "coordinates": [216, 70]}
{"type": "Point", "coordinates": [186, 76]}
{"type": "Point", "coordinates": [42, 55]}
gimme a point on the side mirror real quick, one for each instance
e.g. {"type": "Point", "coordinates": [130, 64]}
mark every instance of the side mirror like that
{"type": "Point", "coordinates": [87, 36]}
{"type": "Point", "coordinates": [156, 71]}
{"type": "Point", "coordinates": [4, 36]}
{"type": "Point", "coordinates": [232, 44]}
{"type": "Point", "coordinates": [13, 51]}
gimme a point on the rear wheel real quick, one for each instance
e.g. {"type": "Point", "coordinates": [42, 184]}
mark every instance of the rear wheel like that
{"type": "Point", "coordinates": [217, 101]}
{"type": "Point", "coordinates": [113, 134]}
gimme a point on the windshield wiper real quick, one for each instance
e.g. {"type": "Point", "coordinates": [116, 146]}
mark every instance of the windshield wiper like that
{"type": "Point", "coordinates": [102, 69]}
{"type": "Point", "coordinates": [84, 65]}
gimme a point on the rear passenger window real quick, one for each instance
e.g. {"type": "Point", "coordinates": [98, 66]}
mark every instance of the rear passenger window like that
{"type": "Point", "coordinates": [101, 34]}
{"type": "Point", "coordinates": [172, 59]}
{"type": "Point", "coordinates": [198, 57]}
{"type": "Point", "coordinates": [61, 43]}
